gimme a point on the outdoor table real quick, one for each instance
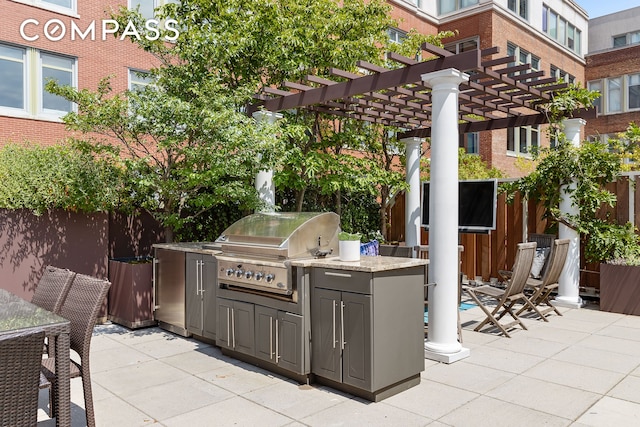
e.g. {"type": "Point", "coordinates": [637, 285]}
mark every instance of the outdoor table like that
{"type": "Point", "coordinates": [16, 314]}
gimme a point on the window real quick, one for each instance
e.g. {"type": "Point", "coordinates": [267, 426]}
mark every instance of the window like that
{"type": "Point", "coordinates": [597, 85]}
{"type": "Point", "coordinates": [60, 69]}
{"type": "Point", "coordinates": [67, 7]}
{"type": "Point", "coordinates": [470, 142]}
{"type": "Point", "coordinates": [447, 6]}
{"type": "Point", "coordinates": [24, 73]}
{"type": "Point", "coordinates": [148, 7]}
{"type": "Point", "coordinates": [561, 30]}
{"type": "Point", "coordinates": [626, 39]}
{"type": "Point", "coordinates": [138, 80]}
{"type": "Point", "coordinates": [396, 35]}
{"type": "Point", "coordinates": [633, 88]}
{"type": "Point", "coordinates": [561, 74]}
{"type": "Point", "coordinates": [12, 77]}
{"type": "Point", "coordinates": [522, 56]}
{"type": "Point", "coordinates": [519, 7]}
{"type": "Point", "coordinates": [462, 46]}
{"type": "Point", "coordinates": [523, 140]}
{"type": "Point", "coordinates": [614, 95]}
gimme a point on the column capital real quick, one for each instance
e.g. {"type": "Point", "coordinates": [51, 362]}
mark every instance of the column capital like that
{"type": "Point", "coordinates": [268, 116]}
{"type": "Point", "coordinates": [575, 122]}
{"type": "Point", "coordinates": [412, 140]}
{"type": "Point", "coordinates": [448, 76]}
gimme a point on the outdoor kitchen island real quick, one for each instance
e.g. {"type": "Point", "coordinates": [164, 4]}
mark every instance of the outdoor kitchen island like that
{"type": "Point", "coordinates": [354, 326]}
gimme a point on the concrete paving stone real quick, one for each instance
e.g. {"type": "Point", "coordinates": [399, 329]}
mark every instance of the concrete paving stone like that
{"type": "Point", "coordinates": [623, 332]}
{"type": "Point", "coordinates": [489, 412]}
{"type": "Point", "coordinates": [610, 412]}
{"type": "Point", "coordinates": [117, 412]}
{"type": "Point", "coordinates": [431, 399]}
{"type": "Point", "coordinates": [551, 332]}
{"type": "Point", "coordinates": [612, 344]}
{"type": "Point", "coordinates": [116, 357]}
{"type": "Point", "coordinates": [503, 359]}
{"type": "Point", "coordinates": [579, 325]}
{"type": "Point", "coordinates": [236, 411]}
{"type": "Point", "coordinates": [131, 380]}
{"type": "Point", "coordinates": [169, 346]}
{"type": "Point", "coordinates": [201, 360]}
{"type": "Point", "coordinates": [525, 343]}
{"type": "Point", "coordinates": [627, 389]}
{"type": "Point", "coordinates": [559, 400]}
{"type": "Point", "coordinates": [168, 400]}
{"type": "Point", "coordinates": [136, 336]}
{"type": "Point", "coordinates": [467, 376]}
{"type": "Point", "coordinates": [357, 413]}
{"type": "Point", "coordinates": [628, 321]}
{"type": "Point", "coordinates": [581, 377]}
{"type": "Point", "coordinates": [593, 315]}
{"type": "Point", "coordinates": [294, 400]}
{"type": "Point", "coordinates": [596, 358]}
{"type": "Point", "coordinates": [240, 379]}
{"type": "Point", "coordinates": [471, 338]}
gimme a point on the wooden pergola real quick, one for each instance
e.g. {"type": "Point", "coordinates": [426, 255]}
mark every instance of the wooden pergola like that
{"type": "Point", "coordinates": [497, 95]}
{"type": "Point", "coordinates": [441, 98]}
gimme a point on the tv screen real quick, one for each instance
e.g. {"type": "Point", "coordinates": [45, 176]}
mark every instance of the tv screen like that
{"type": "Point", "coordinates": [477, 202]}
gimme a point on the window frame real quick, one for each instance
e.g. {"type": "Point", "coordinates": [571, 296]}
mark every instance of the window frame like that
{"type": "Point", "coordinates": [48, 112]}
{"type": "Point", "coordinates": [558, 28]}
{"type": "Point", "coordinates": [628, 91]}
{"type": "Point", "coordinates": [457, 5]}
{"type": "Point", "coordinates": [14, 111]}
{"type": "Point", "coordinates": [518, 9]}
{"type": "Point", "coordinates": [514, 135]}
{"type": "Point", "coordinates": [46, 5]}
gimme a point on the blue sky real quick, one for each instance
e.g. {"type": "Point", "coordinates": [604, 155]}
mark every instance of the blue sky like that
{"type": "Point", "coordinates": [597, 8]}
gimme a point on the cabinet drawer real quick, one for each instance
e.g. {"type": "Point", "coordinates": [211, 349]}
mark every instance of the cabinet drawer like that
{"type": "Point", "coordinates": [342, 280]}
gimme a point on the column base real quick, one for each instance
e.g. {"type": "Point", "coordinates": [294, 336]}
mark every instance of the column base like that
{"type": "Point", "coordinates": [568, 302]}
{"type": "Point", "coordinates": [447, 358]}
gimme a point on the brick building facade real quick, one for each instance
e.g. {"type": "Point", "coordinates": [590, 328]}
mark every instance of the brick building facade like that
{"type": "Point", "coordinates": [28, 57]}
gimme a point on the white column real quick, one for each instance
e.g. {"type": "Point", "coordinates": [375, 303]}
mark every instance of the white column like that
{"type": "Point", "coordinates": [569, 282]}
{"type": "Point", "coordinates": [412, 200]}
{"type": "Point", "coordinates": [442, 339]}
{"type": "Point", "coordinates": [264, 178]}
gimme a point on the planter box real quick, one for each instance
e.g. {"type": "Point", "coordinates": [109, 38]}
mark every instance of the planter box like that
{"type": "Point", "coordinates": [131, 292]}
{"type": "Point", "coordinates": [620, 289]}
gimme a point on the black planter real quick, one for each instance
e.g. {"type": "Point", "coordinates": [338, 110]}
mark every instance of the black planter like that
{"type": "Point", "coordinates": [131, 292]}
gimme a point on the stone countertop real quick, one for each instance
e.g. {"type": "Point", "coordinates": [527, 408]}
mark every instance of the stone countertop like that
{"type": "Point", "coordinates": [368, 264]}
{"type": "Point", "coordinates": [195, 247]}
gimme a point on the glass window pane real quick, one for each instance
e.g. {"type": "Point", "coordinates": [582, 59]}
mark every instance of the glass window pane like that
{"type": "Point", "coordinates": [578, 48]}
{"type": "Point", "coordinates": [553, 24]}
{"type": "Point", "coordinates": [511, 4]}
{"type": "Point", "coordinates": [64, 3]}
{"type": "Point", "coordinates": [11, 52]}
{"type": "Point", "coordinates": [619, 41]}
{"type": "Point", "coordinates": [11, 83]}
{"type": "Point", "coordinates": [523, 140]}
{"type": "Point", "coordinates": [523, 9]}
{"type": "Point", "coordinates": [614, 95]}
{"type": "Point", "coordinates": [562, 30]}
{"type": "Point", "coordinates": [545, 18]}
{"type": "Point", "coordinates": [634, 91]}
{"type": "Point", "coordinates": [635, 37]}
{"type": "Point", "coordinates": [597, 85]}
{"type": "Point", "coordinates": [468, 45]}
{"type": "Point", "coordinates": [146, 7]}
{"type": "Point", "coordinates": [571, 36]}
{"type": "Point", "coordinates": [447, 6]}
{"type": "Point", "coordinates": [59, 69]}
{"type": "Point", "coordinates": [511, 139]}
{"type": "Point", "coordinates": [467, 3]}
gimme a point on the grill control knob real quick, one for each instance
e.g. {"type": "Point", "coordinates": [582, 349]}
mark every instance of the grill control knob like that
{"type": "Point", "coordinates": [229, 271]}
{"type": "Point", "coordinates": [259, 276]}
{"type": "Point", "coordinates": [248, 274]}
{"type": "Point", "coordinates": [269, 278]}
{"type": "Point", "coordinates": [239, 272]}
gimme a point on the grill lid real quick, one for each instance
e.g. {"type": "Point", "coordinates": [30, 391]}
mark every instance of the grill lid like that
{"type": "Point", "coordinates": [287, 234]}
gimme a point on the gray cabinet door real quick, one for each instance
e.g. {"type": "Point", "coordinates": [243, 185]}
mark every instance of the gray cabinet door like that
{"type": "Point", "coordinates": [325, 326]}
{"type": "Point", "coordinates": [356, 356]}
{"type": "Point", "coordinates": [243, 327]}
{"type": "Point", "coordinates": [224, 310]}
{"type": "Point", "coordinates": [265, 333]}
{"type": "Point", "coordinates": [209, 286]}
{"type": "Point", "coordinates": [193, 293]}
{"type": "Point", "coordinates": [290, 339]}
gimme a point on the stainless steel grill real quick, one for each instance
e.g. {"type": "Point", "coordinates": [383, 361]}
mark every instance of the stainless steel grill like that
{"type": "Point", "coordinates": [256, 249]}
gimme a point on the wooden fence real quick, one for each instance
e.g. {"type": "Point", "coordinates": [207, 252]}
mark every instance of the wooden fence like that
{"type": "Point", "coordinates": [485, 254]}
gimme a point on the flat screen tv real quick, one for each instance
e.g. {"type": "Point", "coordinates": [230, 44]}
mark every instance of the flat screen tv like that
{"type": "Point", "coordinates": [477, 202]}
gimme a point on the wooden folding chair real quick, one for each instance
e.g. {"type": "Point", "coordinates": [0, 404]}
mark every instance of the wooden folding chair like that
{"type": "Point", "coordinates": [549, 282]}
{"type": "Point", "coordinates": [507, 298]}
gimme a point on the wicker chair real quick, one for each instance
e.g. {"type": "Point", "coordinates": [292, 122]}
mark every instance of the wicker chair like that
{"type": "Point", "coordinates": [50, 294]}
{"type": "Point", "coordinates": [20, 356]}
{"type": "Point", "coordinates": [81, 307]}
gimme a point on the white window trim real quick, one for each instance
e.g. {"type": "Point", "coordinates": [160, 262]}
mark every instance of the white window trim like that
{"type": "Point", "coordinates": [516, 141]}
{"type": "Point", "coordinates": [627, 86]}
{"type": "Point", "coordinates": [517, 11]}
{"type": "Point", "coordinates": [48, 114]}
{"type": "Point", "coordinates": [130, 80]}
{"type": "Point", "coordinates": [33, 97]}
{"type": "Point", "coordinates": [72, 11]}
